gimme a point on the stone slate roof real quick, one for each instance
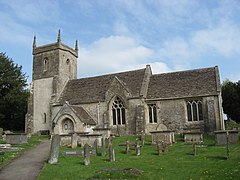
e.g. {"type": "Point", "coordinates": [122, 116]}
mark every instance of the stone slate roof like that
{"type": "Point", "coordinates": [198, 82]}
{"type": "Point", "coordinates": [85, 117]}
{"type": "Point", "coordinates": [93, 89]}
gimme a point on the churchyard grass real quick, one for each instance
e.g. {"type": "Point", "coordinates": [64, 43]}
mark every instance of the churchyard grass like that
{"type": "Point", "coordinates": [8, 156]}
{"type": "Point", "coordinates": [178, 163]}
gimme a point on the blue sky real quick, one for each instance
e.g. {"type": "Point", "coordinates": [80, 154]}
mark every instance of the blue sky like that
{"type": "Point", "coordinates": [119, 35]}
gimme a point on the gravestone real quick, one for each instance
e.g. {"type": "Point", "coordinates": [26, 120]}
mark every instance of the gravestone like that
{"type": "Point", "coordinates": [111, 153]}
{"type": "Point", "coordinates": [86, 155]}
{"type": "Point", "coordinates": [103, 147]}
{"type": "Point", "coordinates": [127, 147]}
{"type": "Point", "coordinates": [161, 147]}
{"type": "Point", "coordinates": [1, 133]}
{"type": "Point", "coordinates": [74, 139]}
{"type": "Point", "coordinates": [54, 151]}
{"type": "Point", "coordinates": [95, 146]}
{"type": "Point", "coordinates": [142, 138]}
{"type": "Point", "coordinates": [138, 150]}
{"type": "Point", "coordinates": [195, 149]}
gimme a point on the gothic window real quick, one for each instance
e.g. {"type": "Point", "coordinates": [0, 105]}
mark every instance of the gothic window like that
{"type": "Point", "coordinates": [118, 112]}
{"type": "Point", "coordinates": [45, 64]}
{"type": "Point", "coordinates": [68, 126]}
{"type": "Point", "coordinates": [152, 110]}
{"type": "Point", "coordinates": [194, 110]}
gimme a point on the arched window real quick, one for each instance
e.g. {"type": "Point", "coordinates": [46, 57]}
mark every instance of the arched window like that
{"type": "Point", "coordinates": [118, 112]}
{"type": "Point", "coordinates": [67, 126]}
{"type": "Point", "coordinates": [45, 64]}
{"type": "Point", "coordinates": [152, 111]}
{"type": "Point", "coordinates": [194, 110]}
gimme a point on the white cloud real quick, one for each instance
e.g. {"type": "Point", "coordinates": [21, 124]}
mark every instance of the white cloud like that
{"type": "Point", "coordinates": [178, 52]}
{"type": "Point", "coordinates": [33, 11]}
{"type": "Point", "coordinates": [223, 39]}
{"type": "Point", "coordinates": [114, 54]}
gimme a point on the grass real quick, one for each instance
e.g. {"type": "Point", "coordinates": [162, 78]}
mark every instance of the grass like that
{"type": "Point", "coordinates": [8, 156]}
{"type": "Point", "coordinates": [178, 163]}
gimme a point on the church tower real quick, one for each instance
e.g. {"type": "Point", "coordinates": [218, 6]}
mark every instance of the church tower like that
{"type": "Point", "coordinates": [53, 66]}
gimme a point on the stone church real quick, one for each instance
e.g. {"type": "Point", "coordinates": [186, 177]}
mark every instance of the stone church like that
{"type": "Point", "coordinates": [126, 102]}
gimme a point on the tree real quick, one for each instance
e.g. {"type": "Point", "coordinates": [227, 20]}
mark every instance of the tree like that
{"type": "Point", "coordinates": [13, 95]}
{"type": "Point", "coordinates": [231, 99]}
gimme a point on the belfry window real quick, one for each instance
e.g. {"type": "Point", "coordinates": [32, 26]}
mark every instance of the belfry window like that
{"type": "Point", "coordinates": [45, 64]}
{"type": "Point", "coordinates": [194, 110]}
{"type": "Point", "coordinates": [118, 112]}
{"type": "Point", "coordinates": [152, 110]}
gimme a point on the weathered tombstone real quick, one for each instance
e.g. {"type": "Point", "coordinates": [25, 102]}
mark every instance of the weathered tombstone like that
{"type": "Point", "coordinates": [95, 146]}
{"type": "Point", "coordinates": [86, 155]}
{"type": "Point", "coordinates": [127, 147]}
{"type": "Point", "coordinates": [161, 147]}
{"type": "Point", "coordinates": [74, 139]}
{"type": "Point", "coordinates": [1, 133]}
{"type": "Point", "coordinates": [103, 147]}
{"type": "Point", "coordinates": [54, 151]}
{"type": "Point", "coordinates": [111, 153]}
{"type": "Point", "coordinates": [138, 150]}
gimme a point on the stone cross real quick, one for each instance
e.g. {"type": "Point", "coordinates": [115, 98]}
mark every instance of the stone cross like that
{"type": "Point", "coordinates": [103, 147]}
{"type": "Point", "coordinates": [111, 153]}
{"type": "Point", "coordinates": [54, 151]}
{"type": "Point", "coordinates": [86, 155]}
{"type": "Point", "coordinates": [74, 140]}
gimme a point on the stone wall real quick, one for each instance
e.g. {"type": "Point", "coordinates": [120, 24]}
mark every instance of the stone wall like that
{"type": "Point", "coordinates": [41, 107]}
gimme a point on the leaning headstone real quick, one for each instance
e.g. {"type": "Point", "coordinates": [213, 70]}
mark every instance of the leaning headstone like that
{"type": "Point", "coordinates": [54, 151]}
{"type": "Point", "coordinates": [74, 140]}
{"type": "Point", "coordinates": [1, 133]}
{"type": "Point", "coordinates": [95, 146]}
{"type": "Point", "coordinates": [127, 147]}
{"type": "Point", "coordinates": [86, 155]}
{"type": "Point", "coordinates": [103, 147]}
{"type": "Point", "coordinates": [111, 153]}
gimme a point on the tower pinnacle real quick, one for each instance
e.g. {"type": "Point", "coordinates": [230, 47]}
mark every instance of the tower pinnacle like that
{"type": "Point", "coordinates": [59, 38]}
{"type": "Point", "coordinates": [76, 45]}
{"type": "Point", "coordinates": [34, 42]}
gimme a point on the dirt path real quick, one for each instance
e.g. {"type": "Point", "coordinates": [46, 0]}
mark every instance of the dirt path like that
{"type": "Point", "coordinates": [28, 165]}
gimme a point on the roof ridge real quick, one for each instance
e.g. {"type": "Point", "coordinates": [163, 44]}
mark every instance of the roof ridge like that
{"type": "Point", "coordinates": [181, 71]}
{"type": "Point", "coordinates": [111, 74]}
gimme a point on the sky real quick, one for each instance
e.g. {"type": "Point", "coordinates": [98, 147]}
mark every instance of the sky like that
{"type": "Point", "coordinates": [120, 35]}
